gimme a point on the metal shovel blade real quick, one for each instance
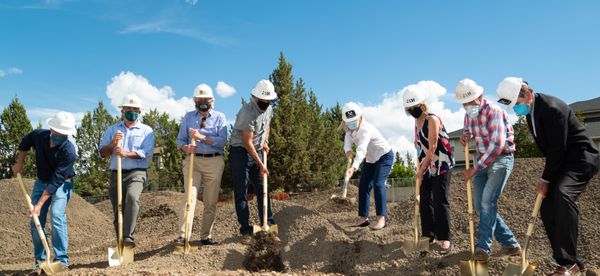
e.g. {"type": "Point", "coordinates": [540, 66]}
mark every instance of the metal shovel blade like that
{"type": "Point", "coordinates": [473, 268]}
{"type": "Point", "coordinates": [126, 257]}
{"type": "Point", "coordinates": [411, 245]}
{"type": "Point", "coordinates": [520, 270]}
{"type": "Point", "coordinates": [273, 228]}
{"type": "Point", "coordinates": [186, 248]}
{"type": "Point", "coordinates": [51, 268]}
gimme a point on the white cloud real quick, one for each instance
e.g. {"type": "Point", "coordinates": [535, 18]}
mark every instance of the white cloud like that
{"type": "Point", "coordinates": [152, 97]}
{"type": "Point", "coordinates": [10, 71]}
{"type": "Point", "coordinates": [192, 2]}
{"type": "Point", "coordinates": [398, 127]}
{"type": "Point", "coordinates": [40, 115]}
{"type": "Point", "coordinates": [225, 90]}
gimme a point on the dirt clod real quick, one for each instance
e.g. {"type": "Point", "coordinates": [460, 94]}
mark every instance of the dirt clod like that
{"type": "Point", "coordinates": [264, 253]}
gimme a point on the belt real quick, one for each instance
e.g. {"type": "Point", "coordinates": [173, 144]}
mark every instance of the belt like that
{"type": "Point", "coordinates": [208, 154]}
{"type": "Point", "coordinates": [130, 170]}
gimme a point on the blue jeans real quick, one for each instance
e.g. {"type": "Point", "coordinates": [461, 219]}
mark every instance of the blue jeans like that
{"type": "Point", "coordinates": [374, 175]}
{"type": "Point", "coordinates": [488, 184]}
{"type": "Point", "coordinates": [57, 205]}
{"type": "Point", "coordinates": [242, 168]}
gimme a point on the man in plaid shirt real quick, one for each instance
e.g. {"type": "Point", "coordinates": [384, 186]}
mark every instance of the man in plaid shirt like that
{"type": "Point", "coordinates": [487, 123]}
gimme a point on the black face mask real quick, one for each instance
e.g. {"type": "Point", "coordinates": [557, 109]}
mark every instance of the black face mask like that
{"type": "Point", "coordinates": [263, 105]}
{"type": "Point", "coordinates": [203, 107]}
{"type": "Point", "coordinates": [415, 112]}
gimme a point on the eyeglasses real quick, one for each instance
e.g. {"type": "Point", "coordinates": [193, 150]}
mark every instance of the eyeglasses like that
{"type": "Point", "coordinates": [203, 122]}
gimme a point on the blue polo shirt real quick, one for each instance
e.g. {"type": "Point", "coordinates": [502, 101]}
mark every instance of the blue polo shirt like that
{"type": "Point", "coordinates": [54, 165]}
{"type": "Point", "coordinates": [138, 138]}
{"type": "Point", "coordinates": [215, 127]}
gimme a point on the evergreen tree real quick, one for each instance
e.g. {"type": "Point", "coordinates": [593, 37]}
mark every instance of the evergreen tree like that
{"type": "Point", "coordinates": [410, 163]}
{"type": "Point", "coordinates": [306, 152]}
{"type": "Point", "coordinates": [92, 170]}
{"type": "Point", "coordinates": [525, 145]}
{"type": "Point", "coordinates": [14, 125]}
{"type": "Point", "coordinates": [166, 168]}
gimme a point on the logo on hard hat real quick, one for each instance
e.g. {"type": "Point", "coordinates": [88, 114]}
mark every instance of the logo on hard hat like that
{"type": "Point", "coordinates": [266, 93]}
{"type": "Point", "coordinates": [202, 92]}
{"type": "Point", "coordinates": [350, 114]}
{"type": "Point", "coordinates": [130, 101]}
{"type": "Point", "coordinates": [468, 93]}
{"type": "Point", "coordinates": [412, 100]}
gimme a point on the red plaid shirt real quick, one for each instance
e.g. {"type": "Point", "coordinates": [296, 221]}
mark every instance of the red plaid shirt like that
{"type": "Point", "coordinates": [492, 132]}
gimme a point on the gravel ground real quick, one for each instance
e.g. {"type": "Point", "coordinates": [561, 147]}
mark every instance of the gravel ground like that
{"type": "Point", "coordinates": [315, 233]}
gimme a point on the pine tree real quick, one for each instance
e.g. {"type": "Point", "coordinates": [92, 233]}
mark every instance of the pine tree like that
{"type": "Point", "coordinates": [92, 170]}
{"type": "Point", "coordinates": [14, 125]}
{"type": "Point", "coordinates": [526, 146]}
{"type": "Point", "coordinates": [166, 167]}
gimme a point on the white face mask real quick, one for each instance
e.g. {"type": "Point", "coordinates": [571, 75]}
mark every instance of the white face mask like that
{"type": "Point", "coordinates": [472, 111]}
{"type": "Point", "coordinates": [352, 125]}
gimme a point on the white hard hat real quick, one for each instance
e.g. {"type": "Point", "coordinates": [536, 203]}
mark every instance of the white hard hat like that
{"type": "Point", "coordinates": [412, 97]}
{"type": "Point", "coordinates": [63, 123]}
{"type": "Point", "coordinates": [203, 91]}
{"type": "Point", "coordinates": [264, 90]}
{"type": "Point", "coordinates": [508, 91]}
{"type": "Point", "coordinates": [467, 90]}
{"type": "Point", "coordinates": [131, 100]}
{"type": "Point", "coordinates": [351, 112]}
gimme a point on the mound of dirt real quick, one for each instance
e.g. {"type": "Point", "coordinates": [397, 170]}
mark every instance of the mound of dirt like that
{"type": "Point", "coordinates": [88, 227]}
{"type": "Point", "coordinates": [315, 232]}
{"type": "Point", "coordinates": [264, 253]}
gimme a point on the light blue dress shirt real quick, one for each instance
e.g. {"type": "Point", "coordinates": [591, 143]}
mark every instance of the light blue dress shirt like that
{"type": "Point", "coordinates": [139, 139]}
{"type": "Point", "coordinates": [215, 127]}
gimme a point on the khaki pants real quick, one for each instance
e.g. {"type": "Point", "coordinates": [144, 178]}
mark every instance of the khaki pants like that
{"type": "Point", "coordinates": [207, 175]}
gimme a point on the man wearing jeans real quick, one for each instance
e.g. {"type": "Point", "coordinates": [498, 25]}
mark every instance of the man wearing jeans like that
{"type": "Point", "coordinates": [488, 124]}
{"type": "Point", "coordinates": [54, 159]}
{"type": "Point", "coordinates": [209, 128]}
{"type": "Point", "coordinates": [248, 141]}
{"type": "Point", "coordinates": [135, 149]}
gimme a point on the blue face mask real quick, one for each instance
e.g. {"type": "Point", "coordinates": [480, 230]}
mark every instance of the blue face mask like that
{"type": "Point", "coordinates": [131, 115]}
{"type": "Point", "coordinates": [522, 109]}
{"type": "Point", "coordinates": [58, 139]}
{"type": "Point", "coordinates": [472, 111]}
{"type": "Point", "coordinates": [352, 125]}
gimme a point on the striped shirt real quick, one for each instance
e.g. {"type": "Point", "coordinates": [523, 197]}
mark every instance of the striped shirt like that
{"type": "Point", "coordinates": [492, 132]}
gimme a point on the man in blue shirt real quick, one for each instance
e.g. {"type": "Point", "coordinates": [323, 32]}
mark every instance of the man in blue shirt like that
{"type": "Point", "coordinates": [248, 141]}
{"type": "Point", "coordinates": [54, 158]}
{"type": "Point", "coordinates": [209, 128]}
{"type": "Point", "coordinates": [137, 147]}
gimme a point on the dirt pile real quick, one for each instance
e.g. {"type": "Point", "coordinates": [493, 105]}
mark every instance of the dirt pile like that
{"type": "Point", "coordinates": [264, 253]}
{"type": "Point", "coordinates": [87, 226]}
{"type": "Point", "coordinates": [315, 232]}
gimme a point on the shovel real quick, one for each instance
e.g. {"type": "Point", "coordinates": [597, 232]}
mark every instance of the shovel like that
{"type": "Point", "coordinates": [120, 254]}
{"type": "Point", "coordinates": [416, 244]}
{"type": "Point", "coordinates": [187, 247]}
{"type": "Point", "coordinates": [525, 268]}
{"type": "Point", "coordinates": [47, 266]}
{"type": "Point", "coordinates": [265, 227]}
{"type": "Point", "coordinates": [471, 267]}
{"type": "Point", "coordinates": [346, 180]}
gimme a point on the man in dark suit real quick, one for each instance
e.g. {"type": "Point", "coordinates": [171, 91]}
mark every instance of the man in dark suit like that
{"type": "Point", "coordinates": [572, 160]}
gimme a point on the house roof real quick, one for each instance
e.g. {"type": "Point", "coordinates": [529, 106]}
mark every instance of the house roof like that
{"type": "Point", "coordinates": [455, 134]}
{"type": "Point", "coordinates": [593, 129]}
{"type": "Point", "coordinates": [589, 105]}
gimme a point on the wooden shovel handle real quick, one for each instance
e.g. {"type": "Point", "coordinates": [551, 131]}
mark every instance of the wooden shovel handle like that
{"type": "Point", "coordinates": [265, 194]}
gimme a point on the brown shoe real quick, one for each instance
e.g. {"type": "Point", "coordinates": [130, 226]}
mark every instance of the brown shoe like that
{"type": "Point", "coordinates": [564, 270]}
{"type": "Point", "coordinates": [480, 255]}
{"type": "Point", "coordinates": [510, 251]}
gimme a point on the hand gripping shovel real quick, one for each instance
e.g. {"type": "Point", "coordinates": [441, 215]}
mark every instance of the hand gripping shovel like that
{"type": "Point", "coordinates": [265, 227]}
{"type": "Point", "coordinates": [121, 254]}
{"type": "Point", "coordinates": [47, 266]}
{"type": "Point", "coordinates": [187, 217]}
{"type": "Point", "coordinates": [471, 267]}
{"type": "Point", "coordinates": [416, 244]}
{"type": "Point", "coordinates": [525, 268]}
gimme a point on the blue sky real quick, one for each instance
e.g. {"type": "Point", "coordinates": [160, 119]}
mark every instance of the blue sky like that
{"type": "Point", "coordinates": [63, 55]}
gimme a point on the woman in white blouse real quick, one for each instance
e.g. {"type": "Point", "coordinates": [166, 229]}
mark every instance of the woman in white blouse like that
{"type": "Point", "coordinates": [370, 145]}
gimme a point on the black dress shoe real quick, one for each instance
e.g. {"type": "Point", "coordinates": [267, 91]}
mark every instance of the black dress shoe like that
{"type": "Point", "coordinates": [208, 241]}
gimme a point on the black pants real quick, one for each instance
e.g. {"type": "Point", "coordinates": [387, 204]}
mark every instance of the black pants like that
{"type": "Point", "coordinates": [434, 206]}
{"type": "Point", "coordinates": [560, 214]}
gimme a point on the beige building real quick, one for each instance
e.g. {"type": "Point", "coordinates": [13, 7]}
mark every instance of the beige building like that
{"type": "Point", "coordinates": [589, 109]}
